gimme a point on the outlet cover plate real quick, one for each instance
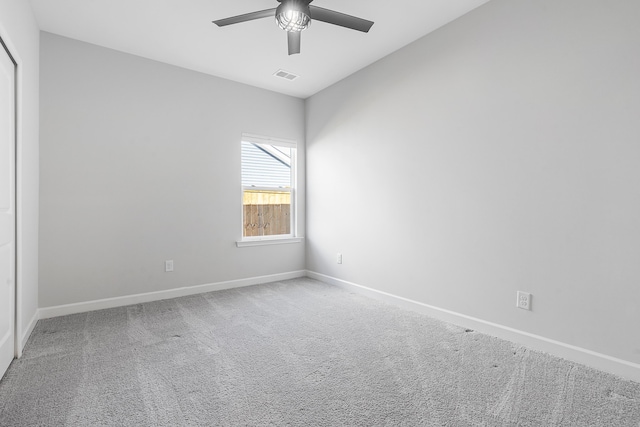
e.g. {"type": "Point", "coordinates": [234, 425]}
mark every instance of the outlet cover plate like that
{"type": "Point", "coordinates": [524, 300]}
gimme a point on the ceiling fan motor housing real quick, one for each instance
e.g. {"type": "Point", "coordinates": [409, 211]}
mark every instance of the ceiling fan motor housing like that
{"type": "Point", "coordinates": [293, 15]}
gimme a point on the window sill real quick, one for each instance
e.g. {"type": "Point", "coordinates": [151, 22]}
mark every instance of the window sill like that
{"type": "Point", "coordinates": [268, 241]}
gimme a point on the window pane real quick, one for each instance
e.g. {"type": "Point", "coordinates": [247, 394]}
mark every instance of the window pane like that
{"type": "Point", "coordinates": [265, 165]}
{"type": "Point", "coordinates": [267, 189]}
{"type": "Point", "coordinates": [266, 213]}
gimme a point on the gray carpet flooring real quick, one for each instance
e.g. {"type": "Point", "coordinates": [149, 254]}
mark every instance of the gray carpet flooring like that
{"type": "Point", "coordinates": [298, 353]}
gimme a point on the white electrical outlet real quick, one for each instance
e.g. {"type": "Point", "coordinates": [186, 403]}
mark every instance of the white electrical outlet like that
{"type": "Point", "coordinates": [168, 265]}
{"type": "Point", "coordinates": [339, 258]}
{"type": "Point", "coordinates": [524, 300]}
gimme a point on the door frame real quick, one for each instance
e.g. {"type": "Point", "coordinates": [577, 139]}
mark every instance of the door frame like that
{"type": "Point", "coordinates": [5, 44]}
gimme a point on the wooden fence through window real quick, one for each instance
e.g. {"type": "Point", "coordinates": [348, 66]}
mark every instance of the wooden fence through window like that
{"type": "Point", "coordinates": [266, 213]}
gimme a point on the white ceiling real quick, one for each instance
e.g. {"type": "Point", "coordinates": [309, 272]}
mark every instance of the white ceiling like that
{"type": "Point", "coordinates": [180, 32]}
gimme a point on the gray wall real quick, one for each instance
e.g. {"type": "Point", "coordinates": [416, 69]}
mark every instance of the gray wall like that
{"type": "Point", "coordinates": [500, 153]}
{"type": "Point", "coordinates": [20, 32]}
{"type": "Point", "coordinates": [140, 163]}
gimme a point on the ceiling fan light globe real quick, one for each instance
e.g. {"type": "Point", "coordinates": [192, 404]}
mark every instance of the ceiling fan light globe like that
{"type": "Point", "coordinates": [293, 16]}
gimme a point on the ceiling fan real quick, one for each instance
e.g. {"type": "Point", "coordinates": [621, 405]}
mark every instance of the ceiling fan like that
{"type": "Point", "coordinates": [293, 16]}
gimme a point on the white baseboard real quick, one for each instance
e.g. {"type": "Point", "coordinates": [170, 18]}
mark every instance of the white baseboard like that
{"type": "Point", "coordinates": [27, 332]}
{"type": "Point", "coordinates": [81, 307]}
{"type": "Point", "coordinates": [603, 362]}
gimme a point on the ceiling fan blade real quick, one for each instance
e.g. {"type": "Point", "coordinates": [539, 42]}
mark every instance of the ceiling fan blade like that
{"type": "Point", "coordinates": [341, 19]}
{"type": "Point", "coordinates": [293, 38]}
{"type": "Point", "coordinates": [246, 17]}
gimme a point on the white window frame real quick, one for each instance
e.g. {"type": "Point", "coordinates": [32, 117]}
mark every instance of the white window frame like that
{"type": "Point", "coordinates": [278, 238]}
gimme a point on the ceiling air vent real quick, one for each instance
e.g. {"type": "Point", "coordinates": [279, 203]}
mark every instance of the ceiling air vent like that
{"type": "Point", "coordinates": [285, 75]}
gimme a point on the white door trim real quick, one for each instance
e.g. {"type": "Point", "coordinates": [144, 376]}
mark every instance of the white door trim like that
{"type": "Point", "coordinates": [7, 44]}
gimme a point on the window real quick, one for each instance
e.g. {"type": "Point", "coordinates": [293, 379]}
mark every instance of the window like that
{"type": "Point", "coordinates": [268, 188]}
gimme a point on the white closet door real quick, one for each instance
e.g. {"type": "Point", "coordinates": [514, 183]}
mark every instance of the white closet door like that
{"type": "Point", "coordinates": [7, 210]}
